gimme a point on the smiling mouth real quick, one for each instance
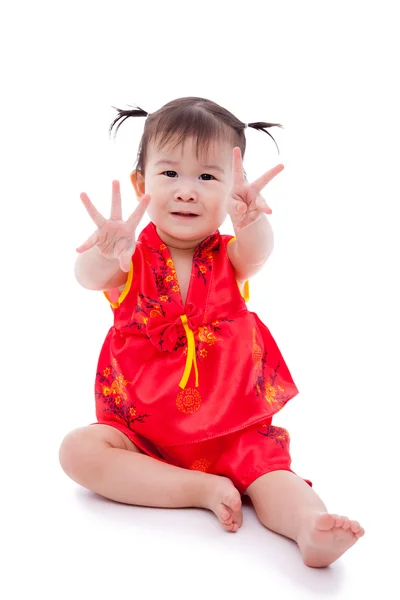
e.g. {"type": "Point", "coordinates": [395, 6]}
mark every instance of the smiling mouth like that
{"type": "Point", "coordinates": [180, 214]}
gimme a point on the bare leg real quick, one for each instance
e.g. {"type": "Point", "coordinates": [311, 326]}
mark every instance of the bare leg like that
{"type": "Point", "coordinates": [104, 460]}
{"type": "Point", "coordinates": [288, 505]}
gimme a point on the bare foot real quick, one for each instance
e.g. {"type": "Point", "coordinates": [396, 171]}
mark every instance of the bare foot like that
{"type": "Point", "coordinates": [326, 537]}
{"type": "Point", "coordinates": [225, 501]}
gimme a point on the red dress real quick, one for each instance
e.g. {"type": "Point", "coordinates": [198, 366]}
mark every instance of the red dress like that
{"type": "Point", "coordinates": [187, 382]}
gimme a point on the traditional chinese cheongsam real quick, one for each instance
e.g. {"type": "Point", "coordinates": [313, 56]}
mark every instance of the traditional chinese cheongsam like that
{"type": "Point", "coordinates": [180, 374]}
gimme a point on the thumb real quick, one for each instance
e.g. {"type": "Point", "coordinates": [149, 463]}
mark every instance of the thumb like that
{"type": "Point", "coordinates": [125, 262]}
{"type": "Point", "coordinates": [126, 256]}
{"type": "Point", "coordinates": [139, 211]}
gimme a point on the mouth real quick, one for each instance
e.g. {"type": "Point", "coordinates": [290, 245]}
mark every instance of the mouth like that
{"type": "Point", "coordinates": [184, 215]}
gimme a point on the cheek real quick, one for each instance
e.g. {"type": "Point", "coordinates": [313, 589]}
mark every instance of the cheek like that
{"type": "Point", "coordinates": [158, 202]}
{"type": "Point", "coordinates": [219, 212]}
{"type": "Point", "coordinates": [157, 193]}
{"type": "Point", "coordinates": [153, 208]}
{"type": "Point", "coordinates": [153, 182]}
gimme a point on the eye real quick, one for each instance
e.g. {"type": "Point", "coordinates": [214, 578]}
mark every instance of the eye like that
{"type": "Point", "coordinates": [168, 174]}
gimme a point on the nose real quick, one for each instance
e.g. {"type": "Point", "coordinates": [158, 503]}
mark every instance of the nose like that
{"type": "Point", "coordinates": [186, 193]}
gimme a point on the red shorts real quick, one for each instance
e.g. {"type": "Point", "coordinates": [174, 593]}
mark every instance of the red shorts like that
{"type": "Point", "coordinates": [242, 456]}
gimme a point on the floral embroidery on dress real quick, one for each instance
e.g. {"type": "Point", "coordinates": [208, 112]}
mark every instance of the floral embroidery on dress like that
{"type": "Point", "coordinates": [188, 401]}
{"type": "Point", "coordinates": [201, 464]}
{"type": "Point", "coordinates": [206, 335]}
{"type": "Point", "coordinates": [112, 386]}
{"type": "Point", "coordinates": [203, 258]}
{"type": "Point", "coordinates": [269, 389]}
{"type": "Point", "coordinates": [164, 274]}
{"type": "Point", "coordinates": [145, 308]}
{"type": "Point", "coordinates": [256, 353]}
{"type": "Point", "coordinates": [278, 434]}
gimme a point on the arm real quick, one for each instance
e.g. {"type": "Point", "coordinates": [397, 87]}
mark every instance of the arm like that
{"type": "Point", "coordinates": [250, 250]}
{"type": "Point", "coordinates": [105, 258]}
{"type": "Point", "coordinates": [248, 210]}
{"type": "Point", "coordinates": [96, 272]}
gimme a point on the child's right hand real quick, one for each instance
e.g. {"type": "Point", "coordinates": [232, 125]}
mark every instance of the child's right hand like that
{"type": "Point", "coordinates": [114, 237]}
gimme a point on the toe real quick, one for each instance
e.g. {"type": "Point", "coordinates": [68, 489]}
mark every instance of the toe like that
{"type": "Point", "coordinates": [233, 500]}
{"type": "Point", "coordinates": [325, 522]}
{"type": "Point", "coordinates": [355, 526]}
{"type": "Point", "coordinates": [360, 533]}
{"type": "Point", "coordinates": [346, 524]}
{"type": "Point", "coordinates": [230, 526]}
{"type": "Point", "coordinates": [224, 514]}
{"type": "Point", "coordinates": [238, 518]}
{"type": "Point", "coordinates": [338, 520]}
{"type": "Point", "coordinates": [227, 522]}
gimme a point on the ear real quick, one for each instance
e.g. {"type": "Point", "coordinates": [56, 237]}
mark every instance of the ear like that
{"type": "Point", "coordinates": [137, 180]}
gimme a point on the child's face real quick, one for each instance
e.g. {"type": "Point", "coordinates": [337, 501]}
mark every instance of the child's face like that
{"type": "Point", "coordinates": [179, 184]}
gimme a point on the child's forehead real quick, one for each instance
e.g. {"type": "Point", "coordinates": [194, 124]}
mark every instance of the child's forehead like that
{"type": "Point", "coordinates": [214, 150]}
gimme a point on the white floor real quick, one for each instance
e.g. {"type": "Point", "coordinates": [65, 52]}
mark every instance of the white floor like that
{"type": "Point", "coordinates": [65, 542]}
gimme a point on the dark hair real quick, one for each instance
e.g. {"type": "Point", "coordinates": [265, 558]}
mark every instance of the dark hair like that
{"type": "Point", "coordinates": [198, 117]}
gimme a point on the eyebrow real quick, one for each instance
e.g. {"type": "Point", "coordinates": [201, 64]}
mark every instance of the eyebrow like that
{"type": "Point", "coordinates": [173, 162]}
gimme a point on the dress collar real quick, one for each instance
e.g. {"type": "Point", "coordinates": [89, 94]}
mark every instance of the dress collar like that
{"type": "Point", "coordinates": [149, 237]}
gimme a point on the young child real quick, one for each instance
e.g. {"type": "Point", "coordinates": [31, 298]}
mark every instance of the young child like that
{"type": "Point", "coordinates": [188, 378]}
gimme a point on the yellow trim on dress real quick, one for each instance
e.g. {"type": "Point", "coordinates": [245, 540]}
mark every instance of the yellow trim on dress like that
{"type": "Point", "coordinates": [191, 355]}
{"type": "Point", "coordinates": [125, 291]}
{"type": "Point", "coordinates": [245, 292]}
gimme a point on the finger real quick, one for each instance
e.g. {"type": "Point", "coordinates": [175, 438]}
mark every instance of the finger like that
{"type": "Point", "coordinates": [125, 261]}
{"type": "Point", "coordinates": [237, 167]}
{"type": "Point", "coordinates": [139, 211]}
{"type": "Point", "coordinates": [90, 242]}
{"type": "Point", "coordinates": [116, 210]}
{"type": "Point", "coordinates": [238, 207]}
{"type": "Point", "coordinates": [262, 181]}
{"type": "Point", "coordinates": [262, 206]}
{"type": "Point", "coordinates": [92, 210]}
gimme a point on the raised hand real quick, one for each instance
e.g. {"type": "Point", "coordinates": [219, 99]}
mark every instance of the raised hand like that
{"type": "Point", "coordinates": [245, 203]}
{"type": "Point", "coordinates": [114, 237]}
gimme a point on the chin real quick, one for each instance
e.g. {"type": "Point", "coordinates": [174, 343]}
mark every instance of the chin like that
{"type": "Point", "coordinates": [188, 235]}
{"type": "Point", "coordinates": [184, 231]}
{"type": "Point", "coordinates": [183, 234]}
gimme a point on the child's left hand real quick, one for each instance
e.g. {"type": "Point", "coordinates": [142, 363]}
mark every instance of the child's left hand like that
{"type": "Point", "coordinates": [245, 203]}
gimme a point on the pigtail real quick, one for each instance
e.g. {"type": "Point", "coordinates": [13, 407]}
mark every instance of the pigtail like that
{"type": "Point", "coordinates": [260, 126]}
{"type": "Point", "coordinates": [125, 114]}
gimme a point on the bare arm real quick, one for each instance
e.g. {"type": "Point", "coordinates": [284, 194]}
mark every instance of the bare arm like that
{"type": "Point", "coordinates": [252, 247]}
{"type": "Point", "coordinates": [95, 272]}
{"type": "Point", "coordinates": [248, 211]}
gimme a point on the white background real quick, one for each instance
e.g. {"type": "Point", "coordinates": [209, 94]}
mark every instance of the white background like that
{"type": "Point", "coordinates": [328, 71]}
